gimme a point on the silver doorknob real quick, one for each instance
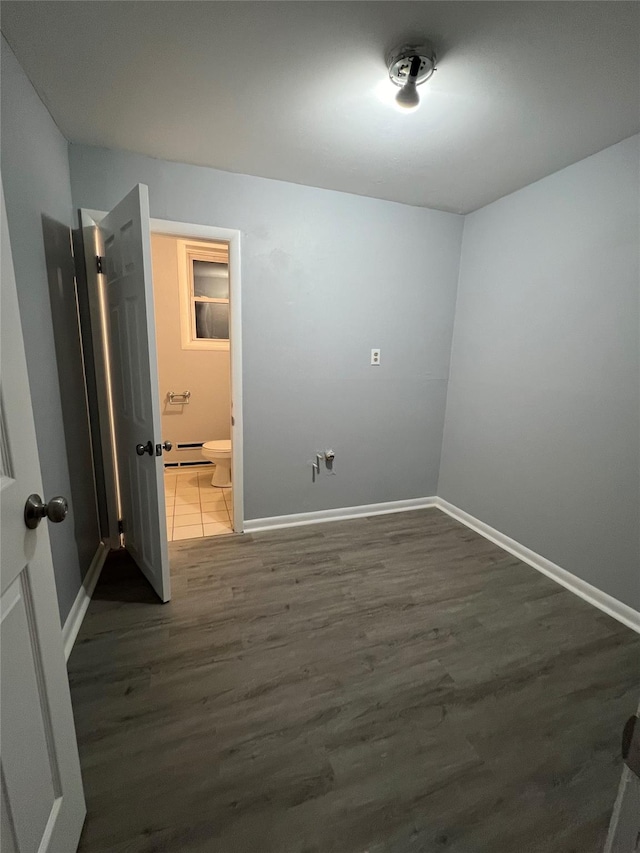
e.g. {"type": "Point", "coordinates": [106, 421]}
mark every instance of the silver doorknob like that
{"type": "Point", "coordinates": [35, 510]}
{"type": "Point", "coordinates": [167, 445]}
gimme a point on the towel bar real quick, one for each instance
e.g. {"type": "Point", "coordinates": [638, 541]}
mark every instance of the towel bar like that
{"type": "Point", "coordinates": [179, 399]}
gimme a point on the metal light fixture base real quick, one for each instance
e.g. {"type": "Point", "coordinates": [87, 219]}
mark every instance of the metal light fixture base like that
{"type": "Point", "coordinates": [399, 63]}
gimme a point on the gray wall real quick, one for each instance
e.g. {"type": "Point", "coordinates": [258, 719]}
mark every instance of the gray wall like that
{"type": "Point", "coordinates": [326, 276]}
{"type": "Point", "coordinates": [542, 427]}
{"type": "Point", "coordinates": [35, 174]}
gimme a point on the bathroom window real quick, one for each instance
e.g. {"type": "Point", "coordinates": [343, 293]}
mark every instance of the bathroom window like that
{"type": "Point", "coordinates": [204, 294]}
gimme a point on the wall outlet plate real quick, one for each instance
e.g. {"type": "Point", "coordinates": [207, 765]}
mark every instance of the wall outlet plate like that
{"type": "Point", "coordinates": [375, 356]}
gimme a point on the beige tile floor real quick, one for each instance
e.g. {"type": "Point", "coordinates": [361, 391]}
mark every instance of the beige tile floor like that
{"type": "Point", "coordinates": [195, 508]}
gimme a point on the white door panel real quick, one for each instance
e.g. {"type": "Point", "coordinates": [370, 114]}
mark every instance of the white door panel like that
{"type": "Point", "coordinates": [134, 371]}
{"type": "Point", "coordinates": [29, 769]}
{"type": "Point", "coordinates": [42, 803]}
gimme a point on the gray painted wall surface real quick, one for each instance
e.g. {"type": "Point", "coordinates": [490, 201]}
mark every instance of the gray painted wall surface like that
{"type": "Point", "coordinates": [542, 419]}
{"type": "Point", "coordinates": [542, 426]}
{"type": "Point", "coordinates": [35, 174]}
{"type": "Point", "coordinates": [326, 276]}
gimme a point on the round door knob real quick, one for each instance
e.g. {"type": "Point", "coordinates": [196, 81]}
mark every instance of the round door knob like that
{"type": "Point", "coordinates": [141, 449]}
{"type": "Point", "coordinates": [35, 510]}
{"type": "Point", "coordinates": [167, 445]}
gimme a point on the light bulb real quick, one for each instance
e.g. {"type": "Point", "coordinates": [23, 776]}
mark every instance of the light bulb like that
{"type": "Point", "coordinates": [408, 99]}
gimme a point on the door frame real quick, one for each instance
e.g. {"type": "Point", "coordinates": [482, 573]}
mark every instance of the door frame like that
{"type": "Point", "coordinates": [96, 295]}
{"type": "Point", "coordinates": [232, 237]}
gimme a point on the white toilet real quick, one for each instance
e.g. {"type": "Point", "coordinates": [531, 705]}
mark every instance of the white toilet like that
{"type": "Point", "coordinates": [220, 453]}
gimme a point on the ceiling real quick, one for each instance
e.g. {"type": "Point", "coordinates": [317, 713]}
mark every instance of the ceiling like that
{"type": "Point", "coordinates": [291, 90]}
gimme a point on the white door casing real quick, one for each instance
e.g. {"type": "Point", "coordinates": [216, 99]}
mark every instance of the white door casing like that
{"type": "Point", "coordinates": [134, 370]}
{"type": "Point", "coordinates": [42, 802]}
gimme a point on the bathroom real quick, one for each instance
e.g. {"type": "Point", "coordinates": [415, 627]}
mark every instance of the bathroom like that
{"type": "Point", "coordinates": [191, 294]}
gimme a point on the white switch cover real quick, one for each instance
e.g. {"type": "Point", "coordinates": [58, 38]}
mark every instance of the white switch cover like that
{"type": "Point", "coordinates": [375, 356]}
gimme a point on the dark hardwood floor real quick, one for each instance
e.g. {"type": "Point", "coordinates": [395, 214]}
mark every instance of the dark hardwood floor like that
{"type": "Point", "coordinates": [383, 685]}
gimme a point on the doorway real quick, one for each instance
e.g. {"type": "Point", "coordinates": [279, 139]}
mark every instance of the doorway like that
{"type": "Point", "coordinates": [230, 238]}
{"type": "Point", "coordinates": [193, 339]}
{"type": "Point", "coordinates": [117, 250]}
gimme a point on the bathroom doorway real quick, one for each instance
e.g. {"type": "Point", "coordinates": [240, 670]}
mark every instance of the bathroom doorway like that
{"type": "Point", "coordinates": [122, 306]}
{"type": "Point", "coordinates": [192, 297]}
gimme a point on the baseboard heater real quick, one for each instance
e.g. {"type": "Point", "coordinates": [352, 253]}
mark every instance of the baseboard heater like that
{"type": "Point", "coordinates": [188, 445]}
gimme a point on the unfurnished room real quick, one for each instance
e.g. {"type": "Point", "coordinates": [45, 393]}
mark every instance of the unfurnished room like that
{"type": "Point", "coordinates": [320, 426]}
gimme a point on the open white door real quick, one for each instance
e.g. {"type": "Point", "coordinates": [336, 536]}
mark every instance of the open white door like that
{"type": "Point", "coordinates": [42, 801]}
{"type": "Point", "coordinates": [134, 371]}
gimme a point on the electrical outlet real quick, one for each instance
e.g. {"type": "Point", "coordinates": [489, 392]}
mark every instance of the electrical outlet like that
{"type": "Point", "coordinates": [375, 356]}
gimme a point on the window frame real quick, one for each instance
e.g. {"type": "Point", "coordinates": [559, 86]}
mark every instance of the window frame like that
{"type": "Point", "coordinates": [188, 252]}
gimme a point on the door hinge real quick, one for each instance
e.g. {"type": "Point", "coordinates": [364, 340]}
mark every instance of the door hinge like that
{"type": "Point", "coordinates": [100, 264]}
{"type": "Point", "coordinates": [120, 525]}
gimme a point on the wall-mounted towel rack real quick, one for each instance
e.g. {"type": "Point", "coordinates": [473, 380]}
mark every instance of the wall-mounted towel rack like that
{"type": "Point", "coordinates": [179, 399]}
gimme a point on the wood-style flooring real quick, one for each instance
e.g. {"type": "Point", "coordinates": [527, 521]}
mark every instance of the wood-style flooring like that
{"type": "Point", "coordinates": [391, 684]}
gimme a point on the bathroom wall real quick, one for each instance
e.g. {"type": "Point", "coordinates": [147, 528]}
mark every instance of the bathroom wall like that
{"type": "Point", "coordinates": [326, 276]}
{"type": "Point", "coordinates": [543, 415]}
{"type": "Point", "coordinates": [35, 175]}
{"type": "Point", "coordinates": [205, 373]}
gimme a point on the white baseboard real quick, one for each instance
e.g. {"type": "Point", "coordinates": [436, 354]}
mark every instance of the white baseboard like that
{"type": "Point", "coordinates": [602, 600]}
{"type": "Point", "coordinates": [79, 607]}
{"type": "Point", "coordinates": [252, 525]}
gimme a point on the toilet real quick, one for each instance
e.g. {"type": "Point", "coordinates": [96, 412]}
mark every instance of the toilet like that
{"type": "Point", "coordinates": [220, 453]}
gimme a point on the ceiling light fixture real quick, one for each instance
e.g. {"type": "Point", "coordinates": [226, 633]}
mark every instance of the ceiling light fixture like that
{"type": "Point", "coordinates": [409, 67]}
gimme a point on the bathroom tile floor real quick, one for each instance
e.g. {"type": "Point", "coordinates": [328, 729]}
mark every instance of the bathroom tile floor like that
{"type": "Point", "coordinates": [195, 508]}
